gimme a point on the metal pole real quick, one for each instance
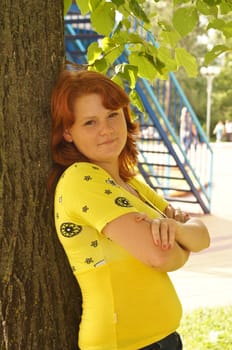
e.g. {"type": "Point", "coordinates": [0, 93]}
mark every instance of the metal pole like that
{"type": "Point", "coordinates": [208, 112]}
{"type": "Point", "coordinates": [209, 72]}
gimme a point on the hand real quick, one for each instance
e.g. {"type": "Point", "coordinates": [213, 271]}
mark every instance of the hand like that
{"type": "Point", "coordinates": [163, 230]}
{"type": "Point", "coordinates": [177, 214]}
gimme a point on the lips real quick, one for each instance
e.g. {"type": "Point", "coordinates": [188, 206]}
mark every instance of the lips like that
{"type": "Point", "coordinates": [108, 142]}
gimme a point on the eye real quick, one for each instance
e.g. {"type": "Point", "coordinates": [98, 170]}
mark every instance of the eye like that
{"type": "Point", "coordinates": [113, 114]}
{"type": "Point", "coordinates": [89, 122]}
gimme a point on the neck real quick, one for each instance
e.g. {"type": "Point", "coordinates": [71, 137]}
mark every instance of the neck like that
{"type": "Point", "coordinates": [113, 170]}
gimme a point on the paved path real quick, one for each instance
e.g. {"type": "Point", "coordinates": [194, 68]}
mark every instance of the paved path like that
{"type": "Point", "coordinates": [206, 280]}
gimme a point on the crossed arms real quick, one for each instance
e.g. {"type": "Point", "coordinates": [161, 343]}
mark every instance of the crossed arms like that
{"type": "Point", "coordinates": [163, 243]}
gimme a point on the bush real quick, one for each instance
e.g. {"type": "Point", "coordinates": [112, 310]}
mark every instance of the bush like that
{"type": "Point", "coordinates": [207, 328]}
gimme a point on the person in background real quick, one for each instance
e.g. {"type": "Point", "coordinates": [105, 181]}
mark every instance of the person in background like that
{"type": "Point", "coordinates": [219, 131]}
{"type": "Point", "coordinates": [186, 128]}
{"type": "Point", "coordinates": [120, 236]}
{"type": "Point", "coordinates": [228, 130]}
{"type": "Point", "coordinates": [195, 138]}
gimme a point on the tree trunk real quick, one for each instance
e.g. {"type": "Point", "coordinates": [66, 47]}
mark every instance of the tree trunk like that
{"type": "Point", "coordinates": [40, 302]}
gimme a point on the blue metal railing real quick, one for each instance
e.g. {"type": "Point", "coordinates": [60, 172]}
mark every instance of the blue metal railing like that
{"type": "Point", "coordinates": [174, 160]}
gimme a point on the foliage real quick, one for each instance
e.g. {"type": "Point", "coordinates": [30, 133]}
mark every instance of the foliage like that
{"type": "Point", "coordinates": [106, 20]}
{"type": "Point", "coordinates": [67, 4]}
{"type": "Point", "coordinates": [154, 45]}
{"type": "Point", "coordinates": [207, 328]}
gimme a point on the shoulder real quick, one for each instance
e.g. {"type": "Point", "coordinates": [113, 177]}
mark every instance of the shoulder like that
{"type": "Point", "coordinates": [82, 179]}
{"type": "Point", "coordinates": [83, 171]}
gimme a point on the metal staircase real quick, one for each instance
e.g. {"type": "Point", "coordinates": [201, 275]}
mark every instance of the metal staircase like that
{"type": "Point", "coordinates": [180, 175]}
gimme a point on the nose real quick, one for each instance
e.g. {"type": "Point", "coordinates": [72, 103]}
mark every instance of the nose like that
{"type": "Point", "coordinates": [106, 128]}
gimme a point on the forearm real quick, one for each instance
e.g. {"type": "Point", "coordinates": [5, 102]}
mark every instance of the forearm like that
{"type": "Point", "coordinates": [135, 235]}
{"type": "Point", "coordinates": [172, 259]}
{"type": "Point", "coordinates": [193, 235]}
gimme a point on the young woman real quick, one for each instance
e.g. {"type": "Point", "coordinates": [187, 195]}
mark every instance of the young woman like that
{"type": "Point", "coordinates": [120, 237]}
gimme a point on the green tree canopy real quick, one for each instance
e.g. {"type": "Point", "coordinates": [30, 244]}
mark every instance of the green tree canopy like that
{"type": "Point", "coordinates": [161, 48]}
{"type": "Point", "coordinates": [154, 34]}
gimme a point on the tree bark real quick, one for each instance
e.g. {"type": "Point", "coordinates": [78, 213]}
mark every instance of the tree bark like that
{"type": "Point", "coordinates": [40, 301]}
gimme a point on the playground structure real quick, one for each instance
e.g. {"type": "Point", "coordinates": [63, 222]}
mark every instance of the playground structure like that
{"type": "Point", "coordinates": [180, 175]}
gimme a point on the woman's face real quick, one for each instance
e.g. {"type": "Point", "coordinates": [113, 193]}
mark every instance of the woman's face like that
{"type": "Point", "coordinates": [98, 133]}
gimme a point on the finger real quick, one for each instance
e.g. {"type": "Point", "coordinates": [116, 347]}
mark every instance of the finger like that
{"type": "Point", "coordinates": [171, 235]}
{"type": "Point", "coordinates": [178, 214]}
{"type": "Point", "coordinates": [155, 230]}
{"type": "Point", "coordinates": [141, 216]}
{"type": "Point", "coordinates": [170, 211]}
{"type": "Point", "coordinates": [164, 234]}
{"type": "Point", "coordinates": [181, 216]}
{"type": "Point", "coordinates": [186, 217]}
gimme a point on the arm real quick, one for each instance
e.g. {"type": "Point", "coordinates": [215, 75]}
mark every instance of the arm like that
{"type": "Point", "coordinates": [136, 237]}
{"type": "Point", "coordinates": [191, 235]}
{"type": "Point", "coordinates": [194, 235]}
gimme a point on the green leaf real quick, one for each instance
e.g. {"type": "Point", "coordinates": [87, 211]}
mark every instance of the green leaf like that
{"type": "Point", "coordinates": [206, 9]}
{"type": "Point", "coordinates": [138, 11]}
{"type": "Point", "coordinates": [101, 65]}
{"type": "Point", "coordinates": [225, 7]}
{"type": "Point", "coordinates": [170, 37]}
{"type": "Point", "coordinates": [227, 30]}
{"type": "Point", "coordinates": [126, 23]}
{"type": "Point", "coordinates": [118, 2]}
{"type": "Point", "coordinates": [93, 4]}
{"type": "Point", "coordinates": [93, 53]}
{"type": "Point", "coordinates": [113, 55]}
{"type": "Point", "coordinates": [118, 80]}
{"type": "Point", "coordinates": [112, 49]}
{"type": "Point", "coordinates": [145, 68]}
{"type": "Point", "coordinates": [136, 101]}
{"type": "Point", "coordinates": [215, 52]}
{"type": "Point", "coordinates": [130, 73]}
{"type": "Point", "coordinates": [180, 2]}
{"type": "Point", "coordinates": [224, 27]}
{"type": "Point", "coordinates": [124, 10]}
{"type": "Point", "coordinates": [83, 6]}
{"type": "Point", "coordinates": [212, 2]}
{"type": "Point", "coordinates": [187, 61]}
{"type": "Point", "coordinates": [67, 4]}
{"type": "Point", "coordinates": [135, 38]}
{"type": "Point", "coordinates": [185, 20]}
{"type": "Point", "coordinates": [165, 26]}
{"type": "Point", "coordinates": [165, 56]}
{"type": "Point", "coordinates": [107, 44]}
{"type": "Point", "coordinates": [216, 24]}
{"type": "Point", "coordinates": [122, 38]}
{"type": "Point", "coordinates": [103, 18]}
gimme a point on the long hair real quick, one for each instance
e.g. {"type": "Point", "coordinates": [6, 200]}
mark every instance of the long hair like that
{"type": "Point", "coordinates": [71, 85]}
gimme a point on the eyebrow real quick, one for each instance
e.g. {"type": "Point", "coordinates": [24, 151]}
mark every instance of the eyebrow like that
{"type": "Point", "coordinates": [95, 116]}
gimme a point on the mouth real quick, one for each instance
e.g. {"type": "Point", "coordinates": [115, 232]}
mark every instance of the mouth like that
{"type": "Point", "coordinates": [108, 142]}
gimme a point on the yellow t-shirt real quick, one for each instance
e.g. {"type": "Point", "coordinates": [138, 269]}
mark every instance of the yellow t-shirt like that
{"type": "Point", "coordinates": [126, 304]}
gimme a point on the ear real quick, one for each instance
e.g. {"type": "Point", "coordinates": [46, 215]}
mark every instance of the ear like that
{"type": "Point", "coordinates": [67, 136]}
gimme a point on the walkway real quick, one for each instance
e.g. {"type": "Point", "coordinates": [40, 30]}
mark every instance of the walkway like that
{"type": "Point", "coordinates": [206, 280]}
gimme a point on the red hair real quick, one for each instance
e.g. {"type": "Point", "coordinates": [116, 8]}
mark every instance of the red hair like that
{"type": "Point", "coordinates": [70, 86]}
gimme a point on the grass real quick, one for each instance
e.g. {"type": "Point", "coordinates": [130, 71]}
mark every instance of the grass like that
{"type": "Point", "coordinates": [207, 328]}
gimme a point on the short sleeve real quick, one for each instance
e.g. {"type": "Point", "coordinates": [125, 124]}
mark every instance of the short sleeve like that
{"type": "Point", "coordinates": [91, 197]}
{"type": "Point", "coordinates": [149, 194]}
